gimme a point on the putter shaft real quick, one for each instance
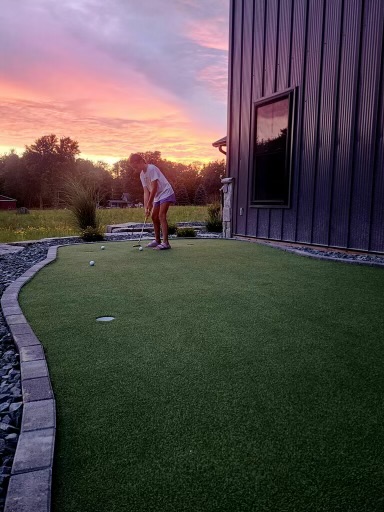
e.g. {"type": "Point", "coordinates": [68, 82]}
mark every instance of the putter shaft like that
{"type": "Point", "coordinates": [142, 231]}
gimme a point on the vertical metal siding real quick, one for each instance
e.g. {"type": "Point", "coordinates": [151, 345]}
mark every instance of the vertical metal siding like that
{"type": "Point", "coordinates": [271, 41]}
{"type": "Point", "coordinates": [257, 93]}
{"type": "Point", "coordinates": [360, 212]}
{"type": "Point", "coordinates": [245, 114]}
{"type": "Point", "coordinates": [282, 83]}
{"type": "Point", "coordinates": [230, 111]}
{"type": "Point", "coordinates": [310, 126]}
{"type": "Point", "coordinates": [297, 79]}
{"type": "Point", "coordinates": [284, 45]}
{"type": "Point", "coordinates": [258, 49]}
{"type": "Point", "coordinates": [332, 51]}
{"type": "Point", "coordinates": [328, 98]}
{"type": "Point", "coordinates": [377, 224]}
{"type": "Point", "coordinates": [235, 123]}
{"type": "Point", "coordinates": [342, 176]}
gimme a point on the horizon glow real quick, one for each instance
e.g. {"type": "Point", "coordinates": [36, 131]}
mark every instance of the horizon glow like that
{"type": "Point", "coordinates": [117, 79]}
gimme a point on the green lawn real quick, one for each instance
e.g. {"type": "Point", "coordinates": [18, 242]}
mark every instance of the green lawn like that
{"type": "Point", "coordinates": [58, 223]}
{"type": "Point", "coordinates": [235, 378]}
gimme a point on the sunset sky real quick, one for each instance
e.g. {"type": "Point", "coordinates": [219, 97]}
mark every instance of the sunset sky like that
{"type": "Point", "coordinates": [117, 76]}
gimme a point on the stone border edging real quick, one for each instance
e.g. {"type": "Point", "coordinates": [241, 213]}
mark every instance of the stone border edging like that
{"type": "Point", "coordinates": [31, 476]}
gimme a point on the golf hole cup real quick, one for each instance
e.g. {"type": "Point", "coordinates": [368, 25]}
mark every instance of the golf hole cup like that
{"type": "Point", "coordinates": [91, 263]}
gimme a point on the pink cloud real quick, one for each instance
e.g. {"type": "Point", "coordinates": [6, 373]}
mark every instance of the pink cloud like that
{"type": "Point", "coordinates": [116, 78]}
{"type": "Point", "coordinates": [215, 78]}
{"type": "Point", "coordinates": [209, 33]}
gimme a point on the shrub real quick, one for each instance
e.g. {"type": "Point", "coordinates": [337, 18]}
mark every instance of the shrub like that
{"type": "Point", "coordinates": [90, 234]}
{"type": "Point", "coordinates": [214, 223]}
{"type": "Point", "coordinates": [172, 229]}
{"type": "Point", "coordinates": [186, 232]}
{"type": "Point", "coordinates": [22, 210]}
{"type": "Point", "coordinates": [82, 202]}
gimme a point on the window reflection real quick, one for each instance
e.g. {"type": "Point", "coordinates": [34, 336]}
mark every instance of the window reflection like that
{"type": "Point", "coordinates": [272, 169]}
{"type": "Point", "coordinates": [272, 126]}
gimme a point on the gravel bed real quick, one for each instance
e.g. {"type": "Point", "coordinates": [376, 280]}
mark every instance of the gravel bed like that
{"type": "Point", "coordinates": [357, 258]}
{"type": "Point", "coordinates": [335, 255]}
{"type": "Point", "coordinates": [13, 266]}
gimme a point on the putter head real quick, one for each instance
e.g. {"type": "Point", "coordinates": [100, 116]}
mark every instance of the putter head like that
{"type": "Point", "coordinates": [137, 245]}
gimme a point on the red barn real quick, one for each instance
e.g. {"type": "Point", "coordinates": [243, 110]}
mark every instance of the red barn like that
{"type": "Point", "coordinates": [7, 203]}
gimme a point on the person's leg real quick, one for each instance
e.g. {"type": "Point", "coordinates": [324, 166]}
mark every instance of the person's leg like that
{"type": "Point", "coordinates": [163, 221]}
{"type": "Point", "coordinates": [156, 222]}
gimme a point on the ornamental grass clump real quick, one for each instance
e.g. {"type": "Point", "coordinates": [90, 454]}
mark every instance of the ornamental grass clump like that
{"type": "Point", "coordinates": [214, 223]}
{"type": "Point", "coordinates": [186, 232]}
{"type": "Point", "coordinates": [82, 202]}
{"type": "Point", "coordinates": [172, 228]}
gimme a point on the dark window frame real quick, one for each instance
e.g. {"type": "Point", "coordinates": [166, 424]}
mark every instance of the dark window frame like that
{"type": "Point", "coordinates": [290, 94]}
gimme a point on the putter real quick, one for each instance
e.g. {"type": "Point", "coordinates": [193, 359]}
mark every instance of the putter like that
{"type": "Point", "coordinates": [142, 231]}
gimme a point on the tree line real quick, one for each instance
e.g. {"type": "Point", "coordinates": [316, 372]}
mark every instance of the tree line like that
{"type": "Point", "coordinates": [37, 178]}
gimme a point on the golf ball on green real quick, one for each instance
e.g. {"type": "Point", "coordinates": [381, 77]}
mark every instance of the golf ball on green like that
{"type": "Point", "coordinates": [140, 248]}
{"type": "Point", "coordinates": [92, 263]}
{"type": "Point", "coordinates": [102, 247]}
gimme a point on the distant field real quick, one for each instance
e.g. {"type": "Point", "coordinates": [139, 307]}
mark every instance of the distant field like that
{"type": "Point", "coordinates": [51, 223]}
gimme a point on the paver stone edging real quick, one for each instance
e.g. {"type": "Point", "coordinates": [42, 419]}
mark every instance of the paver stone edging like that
{"type": "Point", "coordinates": [31, 477]}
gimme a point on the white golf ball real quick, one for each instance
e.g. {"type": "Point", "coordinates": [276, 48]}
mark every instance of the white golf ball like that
{"type": "Point", "coordinates": [102, 247]}
{"type": "Point", "coordinates": [92, 263]}
{"type": "Point", "coordinates": [140, 248]}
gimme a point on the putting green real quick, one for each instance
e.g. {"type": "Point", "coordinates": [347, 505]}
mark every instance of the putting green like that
{"type": "Point", "coordinates": [235, 377]}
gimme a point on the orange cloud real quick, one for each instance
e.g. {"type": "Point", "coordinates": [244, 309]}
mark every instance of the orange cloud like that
{"type": "Point", "coordinates": [105, 137]}
{"type": "Point", "coordinates": [106, 79]}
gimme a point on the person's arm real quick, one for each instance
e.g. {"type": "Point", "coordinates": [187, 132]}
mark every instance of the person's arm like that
{"type": "Point", "coordinates": [150, 197]}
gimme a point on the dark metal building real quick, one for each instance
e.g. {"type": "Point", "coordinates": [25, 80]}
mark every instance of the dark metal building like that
{"type": "Point", "coordinates": [305, 121]}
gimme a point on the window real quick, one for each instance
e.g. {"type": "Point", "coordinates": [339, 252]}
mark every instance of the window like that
{"type": "Point", "coordinates": [272, 153]}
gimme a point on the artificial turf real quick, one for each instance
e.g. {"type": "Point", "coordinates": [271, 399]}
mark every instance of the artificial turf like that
{"type": "Point", "coordinates": [235, 377]}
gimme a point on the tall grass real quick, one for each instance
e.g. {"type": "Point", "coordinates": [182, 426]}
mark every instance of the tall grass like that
{"type": "Point", "coordinates": [214, 222]}
{"type": "Point", "coordinates": [58, 223]}
{"type": "Point", "coordinates": [82, 203]}
{"type": "Point", "coordinates": [82, 200]}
